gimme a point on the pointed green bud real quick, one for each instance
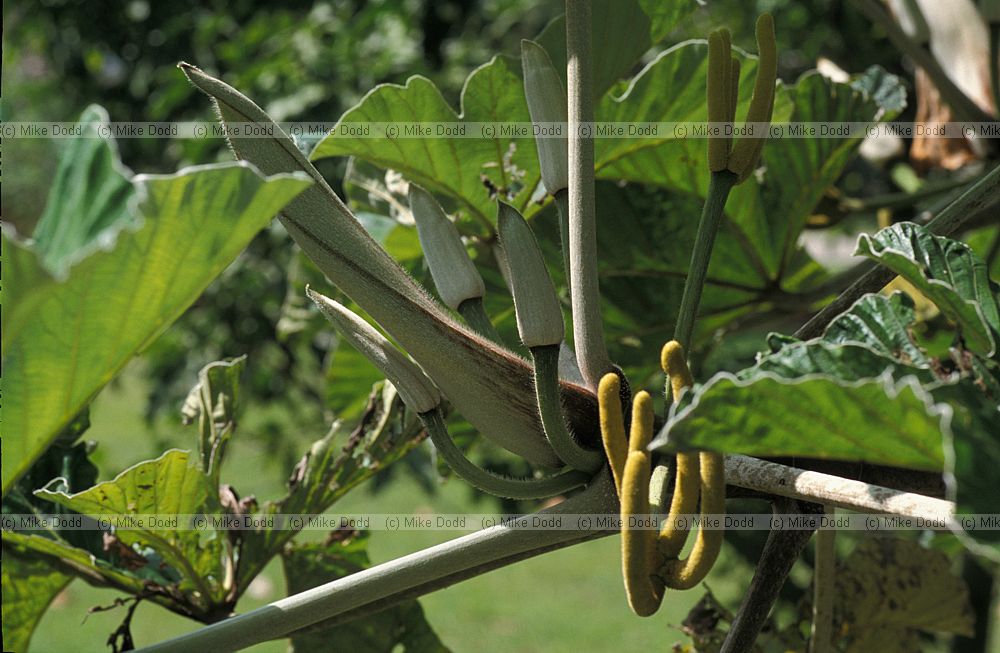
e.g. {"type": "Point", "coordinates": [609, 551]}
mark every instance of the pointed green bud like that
{"type": "Point", "coordinates": [454, 274]}
{"type": "Point", "coordinates": [539, 318]}
{"type": "Point", "coordinates": [412, 384]}
{"type": "Point", "coordinates": [720, 91]}
{"type": "Point", "coordinates": [745, 154]}
{"type": "Point", "coordinates": [547, 103]}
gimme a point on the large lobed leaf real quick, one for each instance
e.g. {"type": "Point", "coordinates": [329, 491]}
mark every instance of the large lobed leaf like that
{"type": "Point", "coordinates": [64, 340]}
{"type": "Point", "coordinates": [454, 167]}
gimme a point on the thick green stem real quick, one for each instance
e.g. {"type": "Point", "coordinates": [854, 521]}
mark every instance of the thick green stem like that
{"type": "Point", "coordinates": [719, 186]}
{"type": "Point", "coordinates": [588, 331]}
{"type": "Point", "coordinates": [474, 314]}
{"type": "Point", "coordinates": [550, 408]}
{"type": "Point", "coordinates": [430, 569]}
{"type": "Point", "coordinates": [501, 486]}
{"type": "Point", "coordinates": [562, 204]}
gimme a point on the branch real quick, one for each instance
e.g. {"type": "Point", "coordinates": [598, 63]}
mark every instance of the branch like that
{"type": "Point", "coordinates": [981, 194]}
{"type": "Point", "coordinates": [791, 482]}
{"type": "Point", "coordinates": [417, 573]}
{"type": "Point", "coordinates": [781, 551]}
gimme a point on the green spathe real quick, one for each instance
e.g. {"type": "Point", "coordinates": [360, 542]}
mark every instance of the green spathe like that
{"type": "Point", "coordinates": [413, 385]}
{"type": "Point", "coordinates": [539, 318]}
{"type": "Point", "coordinates": [455, 276]}
{"type": "Point", "coordinates": [546, 98]}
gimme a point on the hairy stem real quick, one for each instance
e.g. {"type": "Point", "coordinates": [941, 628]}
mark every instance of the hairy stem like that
{"type": "Point", "coordinates": [501, 486]}
{"type": "Point", "coordinates": [547, 392]}
{"type": "Point", "coordinates": [719, 186]}
{"type": "Point", "coordinates": [474, 314]}
{"type": "Point", "coordinates": [978, 196]}
{"type": "Point", "coordinates": [588, 331]}
{"type": "Point", "coordinates": [781, 551]}
{"type": "Point", "coordinates": [430, 568]}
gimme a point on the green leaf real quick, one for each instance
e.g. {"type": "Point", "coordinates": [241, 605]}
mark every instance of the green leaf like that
{"type": "Point", "coordinates": [172, 484]}
{"type": "Point", "coordinates": [28, 588]}
{"type": "Point", "coordinates": [74, 336]}
{"type": "Point", "coordinates": [622, 31]}
{"type": "Point", "coordinates": [868, 340]}
{"type": "Point", "coordinates": [88, 200]}
{"type": "Point", "coordinates": [214, 402]}
{"type": "Point", "coordinates": [455, 167]}
{"type": "Point", "coordinates": [947, 271]}
{"type": "Point", "coordinates": [71, 560]}
{"type": "Point", "coordinates": [877, 420]}
{"type": "Point", "coordinates": [309, 565]}
{"type": "Point", "coordinates": [890, 589]}
{"type": "Point", "coordinates": [882, 323]}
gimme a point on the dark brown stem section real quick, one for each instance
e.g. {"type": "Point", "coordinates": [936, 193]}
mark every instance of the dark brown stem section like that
{"type": "Point", "coordinates": [781, 550]}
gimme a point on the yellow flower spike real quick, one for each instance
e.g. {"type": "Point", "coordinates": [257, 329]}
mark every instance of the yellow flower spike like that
{"type": "Point", "coordinates": [676, 368]}
{"type": "Point", "coordinates": [719, 90]}
{"type": "Point", "coordinates": [685, 574]}
{"type": "Point", "coordinates": [639, 556]}
{"type": "Point", "coordinates": [711, 481]}
{"type": "Point", "coordinates": [684, 502]}
{"type": "Point", "coordinates": [642, 423]}
{"type": "Point", "coordinates": [613, 425]}
{"type": "Point", "coordinates": [746, 151]}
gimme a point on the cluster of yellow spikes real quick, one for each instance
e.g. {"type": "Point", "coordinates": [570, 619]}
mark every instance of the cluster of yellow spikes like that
{"type": "Point", "coordinates": [650, 559]}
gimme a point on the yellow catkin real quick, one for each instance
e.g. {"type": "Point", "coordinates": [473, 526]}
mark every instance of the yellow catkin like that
{"type": "Point", "coordinates": [685, 574]}
{"type": "Point", "coordinates": [746, 151]}
{"type": "Point", "coordinates": [639, 556]}
{"type": "Point", "coordinates": [711, 481]}
{"type": "Point", "coordinates": [676, 368]}
{"type": "Point", "coordinates": [719, 89]}
{"type": "Point", "coordinates": [684, 503]}
{"type": "Point", "coordinates": [612, 425]}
